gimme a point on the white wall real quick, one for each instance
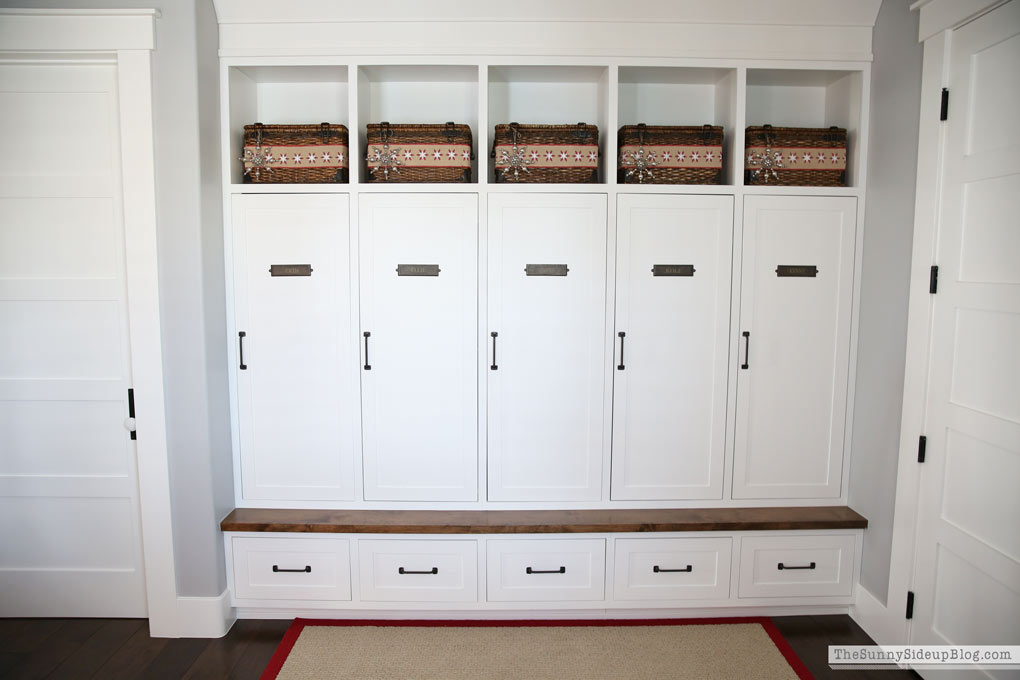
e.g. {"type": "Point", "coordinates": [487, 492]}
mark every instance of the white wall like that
{"type": "Point", "coordinates": [190, 233]}
{"type": "Point", "coordinates": [888, 232]}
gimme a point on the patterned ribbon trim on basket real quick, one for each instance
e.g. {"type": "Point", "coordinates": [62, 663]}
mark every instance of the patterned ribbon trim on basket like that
{"type": "Point", "coordinates": [798, 158]}
{"type": "Point", "coordinates": [551, 155]}
{"type": "Point", "coordinates": [311, 156]}
{"type": "Point", "coordinates": [673, 156]}
{"type": "Point", "coordinates": [422, 155]}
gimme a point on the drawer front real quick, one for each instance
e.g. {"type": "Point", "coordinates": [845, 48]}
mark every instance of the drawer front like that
{"type": "Point", "coordinates": [418, 571]}
{"type": "Point", "coordinates": [672, 568]}
{"type": "Point", "coordinates": [546, 570]}
{"type": "Point", "coordinates": [785, 566]}
{"type": "Point", "coordinates": [291, 568]}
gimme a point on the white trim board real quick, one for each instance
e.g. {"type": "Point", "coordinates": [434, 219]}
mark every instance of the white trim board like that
{"type": "Point", "coordinates": [205, 617]}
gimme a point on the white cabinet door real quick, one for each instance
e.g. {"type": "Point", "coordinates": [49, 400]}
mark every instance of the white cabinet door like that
{"type": "Point", "coordinates": [419, 378]}
{"type": "Point", "coordinates": [547, 351]}
{"type": "Point", "coordinates": [295, 395]}
{"type": "Point", "coordinates": [672, 320]}
{"type": "Point", "coordinates": [794, 350]}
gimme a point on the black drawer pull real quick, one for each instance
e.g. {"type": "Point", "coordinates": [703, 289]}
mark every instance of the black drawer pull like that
{"type": "Point", "coordinates": [622, 336]}
{"type": "Point", "coordinates": [367, 335]}
{"type": "Point", "coordinates": [278, 570]}
{"type": "Point", "coordinates": [561, 570]}
{"type": "Point", "coordinates": [747, 350]}
{"type": "Point", "coordinates": [783, 566]}
{"type": "Point", "coordinates": [240, 349]}
{"type": "Point", "coordinates": [659, 570]}
{"type": "Point", "coordinates": [494, 366]}
{"type": "Point", "coordinates": [433, 570]}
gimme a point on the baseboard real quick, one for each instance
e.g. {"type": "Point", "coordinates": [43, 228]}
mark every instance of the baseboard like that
{"type": "Point", "coordinates": [885, 627]}
{"type": "Point", "coordinates": [537, 614]}
{"type": "Point", "coordinates": [205, 617]}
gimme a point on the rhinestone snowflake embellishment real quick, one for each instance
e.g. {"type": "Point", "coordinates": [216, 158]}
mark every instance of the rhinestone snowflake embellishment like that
{"type": "Point", "coordinates": [258, 159]}
{"type": "Point", "coordinates": [516, 161]}
{"type": "Point", "coordinates": [387, 159]}
{"type": "Point", "coordinates": [767, 163]}
{"type": "Point", "coordinates": [643, 163]}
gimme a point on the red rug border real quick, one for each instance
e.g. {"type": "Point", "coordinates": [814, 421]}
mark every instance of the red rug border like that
{"type": "Point", "coordinates": [298, 624]}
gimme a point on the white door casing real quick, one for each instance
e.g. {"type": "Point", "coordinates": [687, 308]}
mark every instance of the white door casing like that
{"type": "Point", "coordinates": [295, 389]}
{"type": "Point", "coordinates": [794, 350]}
{"type": "Point", "coordinates": [419, 325]}
{"type": "Point", "coordinates": [672, 323]}
{"type": "Point", "coordinates": [546, 392]}
{"type": "Point", "coordinates": [967, 560]}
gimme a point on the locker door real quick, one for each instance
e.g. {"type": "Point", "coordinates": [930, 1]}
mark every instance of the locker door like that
{"type": "Point", "coordinates": [546, 386]}
{"type": "Point", "coordinates": [419, 329]}
{"type": "Point", "coordinates": [672, 321]}
{"type": "Point", "coordinates": [794, 349]}
{"type": "Point", "coordinates": [295, 394]}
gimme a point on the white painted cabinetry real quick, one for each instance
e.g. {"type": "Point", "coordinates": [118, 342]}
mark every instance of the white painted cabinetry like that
{"type": "Point", "coordinates": [794, 350]}
{"type": "Point", "coordinates": [292, 317]}
{"type": "Point", "coordinates": [418, 297]}
{"type": "Point", "coordinates": [673, 257]}
{"type": "Point", "coordinates": [547, 349]}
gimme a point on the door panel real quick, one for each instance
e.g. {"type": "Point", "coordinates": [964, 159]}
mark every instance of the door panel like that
{"type": "Point", "coordinates": [546, 394]}
{"type": "Point", "coordinates": [419, 283]}
{"type": "Point", "coordinates": [794, 354]}
{"type": "Point", "coordinates": [293, 392]}
{"type": "Point", "coordinates": [672, 303]}
{"type": "Point", "coordinates": [967, 562]}
{"type": "Point", "coordinates": [69, 515]}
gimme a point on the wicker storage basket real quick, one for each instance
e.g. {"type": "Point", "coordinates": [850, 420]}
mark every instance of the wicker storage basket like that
{"type": "Point", "coordinates": [668, 154]}
{"type": "Point", "coordinates": [290, 154]}
{"type": "Point", "coordinates": [786, 156]}
{"type": "Point", "coordinates": [418, 153]}
{"type": "Point", "coordinates": [546, 153]}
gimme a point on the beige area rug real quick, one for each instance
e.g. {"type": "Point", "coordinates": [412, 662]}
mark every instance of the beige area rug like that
{"type": "Point", "coordinates": [707, 649]}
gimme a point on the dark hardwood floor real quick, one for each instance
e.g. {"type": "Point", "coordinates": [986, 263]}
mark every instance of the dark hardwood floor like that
{"type": "Point", "coordinates": [121, 649]}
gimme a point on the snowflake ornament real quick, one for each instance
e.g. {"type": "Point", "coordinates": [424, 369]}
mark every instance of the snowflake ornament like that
{"type": "Point", "coordinates": [388, 159]}
{"type": "Point", "coordinates": [643, 163]}
{"type": "Point", "coordinates": [767, 163]}
{"type": "Point", "coordinates": [258, 159]}
{"type": "Point", "coordinates": [516, 160]}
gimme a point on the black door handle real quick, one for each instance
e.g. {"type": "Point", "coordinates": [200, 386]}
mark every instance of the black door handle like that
{"type": "Point", "coordinates": [659, 570]}
{"type": "Point", "coordinates": [278, 570]}
{"type": "Point", "coordinates": [494, 366]}
{"type": "Point", "coordinates": [622, 336]}
{"type": "Point", "coordinates": [240, 349]}
{"type": "Point", "coordinates": [782, 566]}
{"type": "Point", "coordinates": [561, 570]}
{"type": "Point", "coordinates": [368, 366]}
{"type": "Point", "coordinates": [747, 350]}
{"type": "Point", "coordinates": [433, 570]}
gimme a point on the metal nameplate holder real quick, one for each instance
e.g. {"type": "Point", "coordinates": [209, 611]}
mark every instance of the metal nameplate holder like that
{"type": "Point", "coordinates": [290, 270]}
{"type": "Point", "coordinates": [546, 270]}
{"type": "Point", "coordinates": [418, 270]}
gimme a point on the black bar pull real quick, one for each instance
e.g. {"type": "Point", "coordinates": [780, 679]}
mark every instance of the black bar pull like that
{"type": "Point", "coordinates": [131, 412]}
{"type": "Point", "coordinates": [433, 570]}
{"type": "Point", "coordinates": [494, 366]}
{"type": "Point", "coordinates": [747, 350]}
{"type": "Point", "coordinates": [622, 336]}
{"type": "Point", "coordinates": [278, 570]}
{"type": "Point", "coordinates": [686, 570]}
{"type": "Point", "coordinates": [240, 348]}
{"type": "Point", "coordinates": [368, 366]}
{"type": "Point", "coordinates": [782, 566]}
{"type": "Point", "coordinates": [561, 570]}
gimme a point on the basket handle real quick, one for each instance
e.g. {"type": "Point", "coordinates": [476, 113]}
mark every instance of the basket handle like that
{"type": "Point", "coordinates": [386, 131]}
{"type": "Point", "coordinates": [581, 132]}
{"type": "Point", "coordinates": [258, 134]}
{"type": "Point", "coordinates": [324, 132]}
{"type": "Point", "coordinates": [642, 128]}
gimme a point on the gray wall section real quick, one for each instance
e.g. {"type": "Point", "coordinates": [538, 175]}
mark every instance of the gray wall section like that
{"type": "Point", "coordinates": [888, 234]}
{"type": "Point", "coordinates": [190, 241]}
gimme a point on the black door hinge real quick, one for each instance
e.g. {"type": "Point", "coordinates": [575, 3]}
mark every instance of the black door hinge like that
{"type": "Point", "coordinates": [922, 444]}
{"type": "Point", "coordinates": [910, 604]}
{"type": "Point", "coordinates": [933, 279]}
{"type": "Point", "coordinates": [944, 111]}
{"type": "Point", "coordinates": [131, 409]}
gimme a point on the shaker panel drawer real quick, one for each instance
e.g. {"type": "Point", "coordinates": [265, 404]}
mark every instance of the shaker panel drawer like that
{"type": "Point", "coordinates": [785, 566]}
{"type": "Point", "coordinates": [526, 570]}
{"type": "Point", "coordinates": [672, 568]}
{"type": "Point", "coordinates": [291, 568]}
{"type": "Point", "coordinates": [408, 570]}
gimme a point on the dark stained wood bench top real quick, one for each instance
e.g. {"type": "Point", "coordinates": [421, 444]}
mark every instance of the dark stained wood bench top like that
{"type": "Point", "coordinates": [540, 521]}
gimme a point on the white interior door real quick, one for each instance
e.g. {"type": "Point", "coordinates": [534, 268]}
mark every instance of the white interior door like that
{"type": "Point", "coordinates": [672, 320]}
{"type": "Point", "coordinates": [794, 351]}
{"type": "Point", "coordinates": [546, 383]}
{"type": "Point", "coordinates": [295, 391]}
{"type": "Point", "coordinates": [70, 541]}
{"type": "Point", "coordinates": [419, 322]}
{"type": "Point", "coordinates": [967, 573]}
